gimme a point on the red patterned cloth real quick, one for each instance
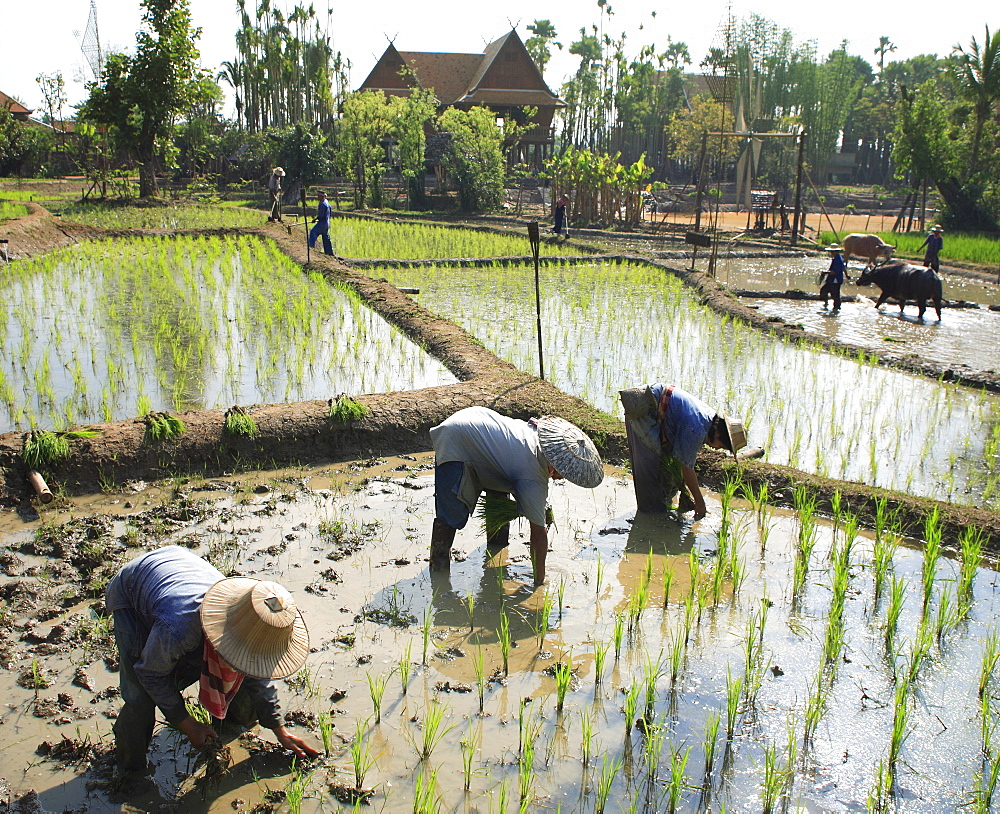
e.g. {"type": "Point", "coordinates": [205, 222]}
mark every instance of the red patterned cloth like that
{"type": "Point", "coordinates": [219, 683]}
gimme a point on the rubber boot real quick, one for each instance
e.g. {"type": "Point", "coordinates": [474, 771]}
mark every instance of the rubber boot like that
{"type": "Point", "coordinates": [442, 537]}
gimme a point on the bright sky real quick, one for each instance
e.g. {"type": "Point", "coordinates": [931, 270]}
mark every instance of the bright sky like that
{"type": "Point", "coordinates": [42, 38]}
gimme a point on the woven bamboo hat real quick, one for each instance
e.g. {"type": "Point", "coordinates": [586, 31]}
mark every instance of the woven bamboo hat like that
{"type": "Point", "coordinates": [255, 626]}
{"type": "Point", "coordinates": [736, 434]}
{"type": "Point", "coordinates": [570, 452]}
{"type": "Point", "coordinates": [278, 171]}
{"type": "Point", "coordinates": [833, 247]}
{"type": "Point", "coordinates": [937, 228]}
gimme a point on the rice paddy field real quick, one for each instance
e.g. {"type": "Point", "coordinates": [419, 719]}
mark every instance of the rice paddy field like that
{"type": "Point", "coordinates": [111, 329]}
{"type": "Point", "coordinates": [608, 326]}
{"type": "Point", "coordinates": [168, 216]}
{"type": "Point", "coordinates": [11, 210]}
{"type": "Point", "coordinates": [374, 239]}
{"type": "Point", "coordinates": [969, 248]}
{"type": "Point", "coordinates": [758, 660]}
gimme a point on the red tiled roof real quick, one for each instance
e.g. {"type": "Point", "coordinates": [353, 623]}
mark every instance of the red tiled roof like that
{"type": "Point", "coordinates": [14, 106]}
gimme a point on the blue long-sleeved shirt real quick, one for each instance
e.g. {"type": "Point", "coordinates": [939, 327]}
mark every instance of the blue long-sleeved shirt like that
{"type": "Point", "coordinates": [323, 212]}
{"type": "Point", "coordinates": [164, 590]}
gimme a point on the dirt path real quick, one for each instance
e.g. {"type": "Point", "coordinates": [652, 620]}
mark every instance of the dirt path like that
{"type": "Point", "coordinates": [399, 422]}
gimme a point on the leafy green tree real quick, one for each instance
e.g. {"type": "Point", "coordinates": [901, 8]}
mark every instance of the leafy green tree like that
{"type": "Point", "coordinates": [364, 123]}
{"type": "Point", "coordinates": [542, 33]}
{"type": "Point", "coordinates": [409, 115]}
{"type": "Point", "coordinates": [23, 148]}
{"type": "Point", "coordinates": [475, 158]}
{"type": "Point", "coordinates": [139, 97]}
{"type": "Point", "coordinates": [977, 76]}
{"type": "Point", "coordinates": [883, 48]}
{"type": "Point", "coordinates": [923, 148]}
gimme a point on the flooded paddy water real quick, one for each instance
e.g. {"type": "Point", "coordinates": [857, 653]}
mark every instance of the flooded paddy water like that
{"type": "Point", "coordinates": [609, 326]}
{"type": "Point", "coordinates": [964, 336]}
{"type": "Point", "coordinates": [108, 330]}
{"type": "Point", "coordinates": [755, 659]}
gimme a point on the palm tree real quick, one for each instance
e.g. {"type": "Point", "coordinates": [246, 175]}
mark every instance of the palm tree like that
{"type": "Point", "coordinates": [977, 74]}
{"type": "Point", "coordinates": [884, 47]}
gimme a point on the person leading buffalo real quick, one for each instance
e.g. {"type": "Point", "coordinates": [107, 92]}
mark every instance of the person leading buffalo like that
{"type": "Point", "coordinates": [477, 449]}
{"type": "Point", "coordinates": [934, 243]}
{"type": "Point", "coordinates": [835, 277]}
{"type": "Point", "coordinates": [178, 621]}
{"type": "Point", "coordinates": [666, 426]}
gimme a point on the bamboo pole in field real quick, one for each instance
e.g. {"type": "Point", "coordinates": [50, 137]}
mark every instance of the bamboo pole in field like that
{"type": "Point", "coordinates": [533, 237]}
{"type": "Point", "coordinates": [305, 221]}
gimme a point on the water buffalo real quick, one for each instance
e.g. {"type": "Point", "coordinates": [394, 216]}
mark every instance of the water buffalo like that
{"type": "Point", "coordinates": [902, 281]}
{"type": "Point", "coordinates": [868, 246]}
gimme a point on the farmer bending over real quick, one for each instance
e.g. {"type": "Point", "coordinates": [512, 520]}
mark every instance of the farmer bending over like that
{"type": "Point", "coordinates": [322, 227]}
{"type": "Point", "coordinates": [477, 449]}
{"type": "Point", "coordinates": [666, 426]}
{"type": "Point", "coordinates": [178, 621]}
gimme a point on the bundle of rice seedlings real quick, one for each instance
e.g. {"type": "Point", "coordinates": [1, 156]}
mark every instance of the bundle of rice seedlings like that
{"type": "Point", "coordinates": [42, 447]}
{"type": "Point", "coordinates": [163, 426]}
{"type": "Point", "coordinates": [344, 408]}
{"type": "Point", "coordinates": [496, 511]}
{"type": "Point", "coordinates": [239, 422]}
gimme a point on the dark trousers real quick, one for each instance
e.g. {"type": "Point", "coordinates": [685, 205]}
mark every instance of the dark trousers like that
{"type": "Point", "coordinates": [324, 231]}
{"type": "Point", "coordinates": [275, 205]}
{"type": "Point", "coordinates": [133, 729]}
{"type": "Point", "coordinates": [831, 290]}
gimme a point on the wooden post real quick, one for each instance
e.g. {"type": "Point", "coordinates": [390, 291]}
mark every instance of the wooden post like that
{"type": "Point", "coordinates": [798, 191]}
{"type": "Point", "coordinates": [701, 182]}
{"type": "Point", "coordinates": [535, 241]}
{"type": "Point", "coordinates": [305, 222]}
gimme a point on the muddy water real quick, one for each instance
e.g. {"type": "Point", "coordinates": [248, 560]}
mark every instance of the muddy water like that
{"type": "Point", "coordinates": [602, 557]}
{"type": "Point", "coordinates": [607, 327]}
{"type": "Point", "coordinates": [966, 337]}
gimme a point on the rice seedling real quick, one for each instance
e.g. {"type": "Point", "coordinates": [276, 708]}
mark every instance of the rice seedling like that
{"type": "Point", "coordinates": [610, 766]}
{"type": "Point", "coordinates": [618, 633]}
{"type": "Point", "coordinates": [478, 666]}
{"type": "Point", "coordinates": [528, 725]}
{"type": "Point", "coordinates": [469, 745]}
{"type": "Point", "coordinates": [678, 649]}
{"type": "Point", "coordinates": [676, 782]}
{"type": "Point", "coordinates": [982, 801]}
{"type": "Point", "coordinates": [668, 581]}
{"type": "Point", "coordinates": [900, 729]}
{"type": "Point", "coordinates": [586, 736]}
{"type": "Point", "coordinates": [426, 799]}
{"type": "Point", "coordinates": [504, 640]}
{"type": "Point", "coordinates": [636, 605]}
{"type": "Point", "coordinates": [971, 547]}
{"type": "Point", "coordinates": [932, 550]}
{"type": "Point", "coordinates": [883, 553]}
{"type": "Point", "coordinates": [425, 632]}
{"type": "Point", "coordinates": [948, 617]}
{"type": "Point", "coordinates": [815, 706]}
{"type": "Point", "coordinates": [599, 581]}
{"type": "Point", "coordinates": [897, 593]}
{"type": "Point", "coordinates": [433, 728]}
{"type": "Point", "coordinates": [501, 798]}
{"type": "Point", "coordinates": [773, 779]}
{"type": "Point", "coordinates": [651, 673]}
{"type": "Point", "coordinates": [734, 691]}
{"type": "Point", "coordinates": [600, 656]}
{"type": "Point", "coordinates": [238, 422]}
{"type": "Point", "coordinates": [561, 594]}
{"type": "Point", "coordinates": [710, 742]}
{"type": "Point", "coordinates": [526, 773]}
{"type": "Point", "coordinates": [295, 789]}
{"type": "Point", "coordinates": [563, 673]}
{"type": "Point", "coordinates": [543, 615]}
{"type": "Point", "coordinates": [631, 707]}
{"type": "Point", "coordinates": [403, 666]}
{"type": "Point", "coordinates": [362, 758]}
{"type": "Point", "coordinates": [326, 727]}
{"type": "Point", "coordinates": [990, 659]}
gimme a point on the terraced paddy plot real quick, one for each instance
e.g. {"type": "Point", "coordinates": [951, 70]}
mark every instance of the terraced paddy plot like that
{"type": "Point", "coordinates": [363, 238]}
{"type": "Point", "coordinates": [108, 330]}
{"type": "Point", "coordinates": [607, 327]}
{"type": "Point", "coordinates": [12, 210]}
{"type": "Point", "coordinates": [170, 216]}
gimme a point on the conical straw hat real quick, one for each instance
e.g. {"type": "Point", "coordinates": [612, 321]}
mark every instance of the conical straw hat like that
{"type": "Point", "coordinates": [571, 453]}
{"type": "Point", "coordinates": [736, 434]}
{"type": "Point", "coordinates": [255, 626]}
